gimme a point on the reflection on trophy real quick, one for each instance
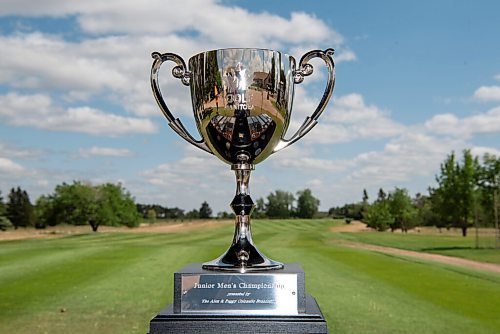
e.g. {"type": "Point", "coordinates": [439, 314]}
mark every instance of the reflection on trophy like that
{"type": "Point", "coordinates": [242, 102]}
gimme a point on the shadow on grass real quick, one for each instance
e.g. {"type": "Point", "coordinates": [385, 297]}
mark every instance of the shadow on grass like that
{"type": "Point", "coordinates": [437, 249]}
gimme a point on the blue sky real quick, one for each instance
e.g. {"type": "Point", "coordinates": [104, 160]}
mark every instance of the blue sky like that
{"type": "Point", "coordinates": [415, 80]}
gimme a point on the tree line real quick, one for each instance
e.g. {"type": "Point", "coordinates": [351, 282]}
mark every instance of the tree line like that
{"type": "Point", "coordinates": [110, 204]}
{"type": "Point", "coordinates": [283, 204]}
{"type": "Point", "coordinates": [467, 192]}
{"type": "Point", "coordinates": [278, 204]}
{"type": "Point", "coordinates": [75, 204]}
{"type": "Point", "coordinates": [81, 203]}
{"type": "Point", "coordinates": [152, 212]}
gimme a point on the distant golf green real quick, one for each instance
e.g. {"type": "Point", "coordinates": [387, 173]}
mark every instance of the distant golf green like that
{"type": "Point", "coordinates": [116, 282]}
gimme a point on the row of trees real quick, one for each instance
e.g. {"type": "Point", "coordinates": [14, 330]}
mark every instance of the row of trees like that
{"type": "Point", "coordinates": [76, 204]}
{"type": "Point", "coordinates": [109, 204]}
{"type": "Point", "coordinates": [466, 193]}
{"type": "Point", "coordinates": [278, 204]}
{"type": "Point", "coordinates": [283, 204]}
{"type": "Point", "coordinates": [157, 211]}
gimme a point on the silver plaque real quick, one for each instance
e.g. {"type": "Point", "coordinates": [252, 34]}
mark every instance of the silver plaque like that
{"type": "Point", "coordinates": [233, 293]}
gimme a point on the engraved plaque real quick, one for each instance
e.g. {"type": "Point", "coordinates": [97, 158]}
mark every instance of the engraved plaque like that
{"type": "Point", "coordinates": [240, 293]}
{"type": "Point", "coordinates": [277, 292]}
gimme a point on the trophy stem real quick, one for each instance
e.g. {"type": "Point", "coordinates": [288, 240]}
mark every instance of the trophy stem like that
{"type": "Point", "coordinates": [242, 256]}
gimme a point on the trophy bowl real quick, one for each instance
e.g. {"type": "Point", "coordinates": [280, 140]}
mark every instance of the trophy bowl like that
{"type": "Point", "coordinates": [242, 103]}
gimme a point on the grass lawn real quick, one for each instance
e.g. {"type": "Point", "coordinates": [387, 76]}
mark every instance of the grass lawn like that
{"type": "Point", "coordinates": [116, 282]}
{"type": "Point", "coordinates": [452, 245]}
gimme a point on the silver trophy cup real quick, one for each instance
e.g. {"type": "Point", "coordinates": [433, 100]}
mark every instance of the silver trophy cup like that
{"type": "Point", "coordinates": [242, 102]}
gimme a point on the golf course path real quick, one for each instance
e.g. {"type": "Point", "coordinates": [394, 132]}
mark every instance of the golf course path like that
{"type": "Point", "coordinates": [456, 261]}
{"type": "Point", "coordinates": [357, 226]}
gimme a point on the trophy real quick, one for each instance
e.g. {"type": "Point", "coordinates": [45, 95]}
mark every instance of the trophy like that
{"type": "Point", "coordinates": [242, 103]}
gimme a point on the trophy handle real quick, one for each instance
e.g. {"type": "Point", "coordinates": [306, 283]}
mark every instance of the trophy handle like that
{"type": "Point", "coordinates": [306, 69]}
{"type": "Point", "coordinates": [179, 72]}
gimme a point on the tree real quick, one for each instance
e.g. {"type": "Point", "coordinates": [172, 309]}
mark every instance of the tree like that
{"type": "Point", "coordinates": [425, 213]}
{"type": "Point", "coordinates": [279, 204]}
{"type": "Point", "coordinates": [44, 212]}
{"type": "Point", "coordinates": [174, 213]}
{"type": "Point", "coordinates": [205, 211]}
{"type": "Point", "coordinates": [193, 214]}
{"type": "Point", "coordinates": [365, 196]}
{"type": "Point", "coordinates": [115, 206]}
{"type": "Point", "coordinates": [365, 204]}
{"type": "Point", "coordinates": [381, 196]}
{"type": "Point", "coordinates": [349, 211]}
{"type": "Point", "coordinates": [401, 209]}
{"type": "Point", "coordinates": [19, 208]}
{"type": "Point", "coordinates": [489, 182]}
{"type": "Point", "coordinates": [307, 204]}
{"type": "Point", "coordinates": [4, 221]}
{"type": "Point", "coordinates": [225, 215]}
{"type": "Point", "coordinates": [468, 180]}
{"type": "Point", "coordinates": [2, 205]}
{"type": "Point", "coordinates": [444, 196]}
{"type": "Point", "coordinates": [454, 198]}
{"type": "Point", "coordinates": [82, 204]}
{"type": "Point", "coordinates": [151, 215]}
{"type": "Point", "coordinates": [260, 209]}
{"type": "Point", "coordinates": [379, 217]}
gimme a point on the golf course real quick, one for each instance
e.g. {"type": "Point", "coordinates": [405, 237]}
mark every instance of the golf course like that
{"type": "Point", "coordinates": [115, 281]}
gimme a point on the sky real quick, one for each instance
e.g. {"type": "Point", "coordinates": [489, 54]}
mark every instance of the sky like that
{"type": "Point", "coordinates": [414, 82]}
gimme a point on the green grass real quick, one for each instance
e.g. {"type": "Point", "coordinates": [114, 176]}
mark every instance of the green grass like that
{"type": "Point", "coordinates": [116, 282]}
{"type": "Point", "coordinates": [451, 245]}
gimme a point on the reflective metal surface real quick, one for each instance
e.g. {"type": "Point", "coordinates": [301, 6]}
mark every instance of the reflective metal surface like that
{"type": "Point", "coordinates": [242, 255]}
{"type": "Point", "coordinates": [242, 102]}
{"type": "Point", "coordinates": [240, 294]}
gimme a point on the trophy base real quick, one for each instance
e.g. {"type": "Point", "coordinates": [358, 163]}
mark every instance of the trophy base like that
{"type": "Point", "coordinates": [311, 321]}
{"type": "Point", "coordinates": [229, 302]}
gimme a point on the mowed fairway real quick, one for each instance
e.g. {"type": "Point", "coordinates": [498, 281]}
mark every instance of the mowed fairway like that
{"type": "Point", "coordinates": [116, 282]}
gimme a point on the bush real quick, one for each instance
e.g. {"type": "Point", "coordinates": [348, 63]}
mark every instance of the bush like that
{"type": "Point", "coordinates": [5, 223]}
{"type": "Point", "coordinates": [379, 217]}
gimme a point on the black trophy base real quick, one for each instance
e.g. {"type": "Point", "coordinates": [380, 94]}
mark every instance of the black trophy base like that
{"type": "Point", "coordinates": [309, 322]}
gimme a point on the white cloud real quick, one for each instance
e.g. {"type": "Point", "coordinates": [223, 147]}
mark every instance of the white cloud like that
{"type": "Point", "coordinates": [480, 151]}
{"type": "Point", "coordinates": [487, 93]}
{"type": "Point", "coordinates": [15, 151]}
{"type": "Point", "coordinates": [192, 170]}
{"type": "Point", "coordinates": [349, 118]}
{"type": "Point", "coordinates": [450, 124]}
{"type": "Point", "coordinates": [8, 166]}
{"type": "Point", "coordinates": [104, 152]}
{"type": "Point", "coordinates": [345, 55]}
{"type": "Point", "coordinates": [413, 153]}
{"type": "Point", "coordinates": [195, 177]}
{"type": "Point", "coordinates": [215, 21]}
{"type": "Point", "coordinates": [444, 124]}
{"type": "Point", "coordinates": [114, 67]}
{"type": "Point", "coordinates": [497, 77]}
{"type": "Point", "coordinates": [302, 158]}
{"type": "Point", "coordinates": [408, 155]}
{"type": "Point", "coordinates": [114, 64]}
{"type": "Point", "coordinates": [38, 111]}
